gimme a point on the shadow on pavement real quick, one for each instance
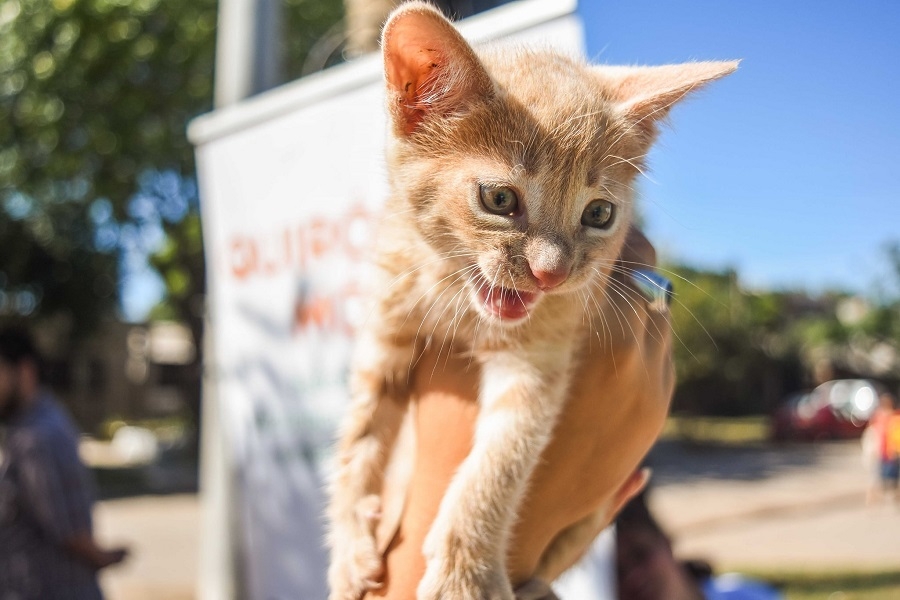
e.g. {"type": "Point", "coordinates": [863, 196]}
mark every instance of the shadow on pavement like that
{"type": "Point", "coordinates": [170, 476]}
{"type": "Point", "coordinates": [676, 461]}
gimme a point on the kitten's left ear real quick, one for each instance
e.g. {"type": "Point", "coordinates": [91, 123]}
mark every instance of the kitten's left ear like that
{"type": "Point", "coordinates": [644, 95]}
{"type": "Point", "coordinates": [429, 67]}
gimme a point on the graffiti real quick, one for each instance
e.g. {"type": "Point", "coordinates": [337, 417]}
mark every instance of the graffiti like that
{"type": "Point", "coordinates": [299, 246]}
{"type": "Point", "coordinates": [337, 312]}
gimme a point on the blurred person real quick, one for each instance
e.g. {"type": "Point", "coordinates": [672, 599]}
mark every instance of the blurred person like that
{"type": "Point", "coordinates": [47, 547]}
{"type": "Point", "coordinates": [881, 441]}
{"type": "Point", "coordinates": [647, 569]}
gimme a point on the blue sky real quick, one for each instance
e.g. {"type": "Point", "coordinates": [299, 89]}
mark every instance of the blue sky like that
{"type": "Point", "coordinates": [787, 170]}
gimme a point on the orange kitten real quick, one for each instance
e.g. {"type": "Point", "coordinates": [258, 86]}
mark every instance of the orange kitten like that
{"type": "Point", "coordinates": [511, 173]}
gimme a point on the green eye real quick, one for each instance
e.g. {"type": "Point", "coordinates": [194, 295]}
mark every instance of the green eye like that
{"type": "Point", "coordinates": [499, 200]}
{"type": "Point", "coordinates": [598, 214]}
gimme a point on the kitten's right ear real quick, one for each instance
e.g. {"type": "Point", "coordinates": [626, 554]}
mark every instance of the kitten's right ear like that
{"type": "Point", "coordinates": [644, 95]}
{"type": "Point", "coordinates": [430, 69]}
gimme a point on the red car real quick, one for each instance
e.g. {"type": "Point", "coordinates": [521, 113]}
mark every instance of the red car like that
{"type": "Point", "coordinates": [838, 409]}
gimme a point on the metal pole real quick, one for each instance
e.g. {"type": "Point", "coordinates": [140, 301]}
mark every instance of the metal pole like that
{"type": "Point", "coordinates": [248, 62]}
{"type": "Point", "coordinates": [219, 576]}
{"type": "Point", "coordinates": [248, 57]}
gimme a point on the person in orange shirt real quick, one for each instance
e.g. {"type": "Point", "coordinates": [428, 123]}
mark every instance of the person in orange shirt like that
{"type": "Point", "coordinates": [883, 434]}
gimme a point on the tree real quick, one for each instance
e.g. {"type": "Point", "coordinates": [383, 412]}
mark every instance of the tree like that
{"type": "Point", "coordinates": [95, 95]}
{"type": "Point", "coordinates": [861, 335]}
{"type": "Point", "coordinates": [96, 172]}
{"type": "Point", "coordinates": [40, 275]}
{"type": "Point", "coordinates": [733, 350]}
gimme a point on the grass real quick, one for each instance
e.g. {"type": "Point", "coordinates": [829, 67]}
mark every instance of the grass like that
{"type": "Point", "coordinates": [719, 430]}
{"type": "Point", "coordinates": [880, 585]}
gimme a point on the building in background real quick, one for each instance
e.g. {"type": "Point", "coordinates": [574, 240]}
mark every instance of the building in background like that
{"type": "Point", "coordinates": [124, 372]}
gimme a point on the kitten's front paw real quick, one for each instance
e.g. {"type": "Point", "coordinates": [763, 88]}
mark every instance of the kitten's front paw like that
{"type": "Point", "coordinates": [356, 565]}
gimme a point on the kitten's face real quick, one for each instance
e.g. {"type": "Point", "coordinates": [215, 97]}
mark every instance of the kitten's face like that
{"type": "Point", "coordinates": [528, 193]}
{"type": "Point", "coordinates": [519, 164]}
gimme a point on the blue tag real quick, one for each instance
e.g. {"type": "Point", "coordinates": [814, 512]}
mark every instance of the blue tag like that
{"type": "Point", "coordinates": [655, 288]}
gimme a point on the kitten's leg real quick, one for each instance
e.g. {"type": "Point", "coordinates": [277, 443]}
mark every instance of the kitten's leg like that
{"type": "Point", "coordinates": [379, 401]}
{"type": "Point", "coordinates": [571, 544]}
{"type": "Point", "coordinates": [465, 549]}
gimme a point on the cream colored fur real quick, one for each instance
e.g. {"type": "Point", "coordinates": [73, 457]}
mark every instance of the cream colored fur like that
{"type": "Point", "coordinates": [559, 134]}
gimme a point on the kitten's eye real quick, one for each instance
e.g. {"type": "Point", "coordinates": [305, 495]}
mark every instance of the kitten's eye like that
{"type": "Point", "coordinates": [598, 214]}
{"type": "Point", "coordinates": [499, 200]}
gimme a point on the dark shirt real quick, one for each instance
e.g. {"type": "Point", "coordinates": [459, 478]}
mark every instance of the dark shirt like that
{"type": "Point", "coordinates": [46, 496]}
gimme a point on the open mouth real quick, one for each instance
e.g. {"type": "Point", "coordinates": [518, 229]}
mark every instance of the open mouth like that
{"type": "Point", "coordinates": [506, 304]}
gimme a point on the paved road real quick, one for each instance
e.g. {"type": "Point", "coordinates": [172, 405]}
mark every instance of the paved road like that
{"type": "Point", "coordinates": [799, 507]}
{"type": "Point", "coordinates": [163, 533]}
{"type": "Point", "coordinates": [788, 507]}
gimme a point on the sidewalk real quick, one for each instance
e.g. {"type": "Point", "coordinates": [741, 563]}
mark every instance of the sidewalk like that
{"type": "Point", "coordinates": [163, 534]}
{"type": "Point", "coordinates": [797, 507]}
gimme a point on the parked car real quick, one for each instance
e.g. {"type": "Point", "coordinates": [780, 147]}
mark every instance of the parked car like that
{"type": "Point", "coordinates": [838, 409]}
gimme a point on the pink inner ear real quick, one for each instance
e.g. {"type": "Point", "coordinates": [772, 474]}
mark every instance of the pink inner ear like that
{"type": "Point", "coordinates": [413, 55]}
{"type": "Point", "coordinates": [429, 66]}
{"type": "Point", "coordinates": [410, 60]}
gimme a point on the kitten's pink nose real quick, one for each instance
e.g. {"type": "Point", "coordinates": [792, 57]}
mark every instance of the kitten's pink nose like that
{"type": "Point", "coordinates": [547, 280]}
